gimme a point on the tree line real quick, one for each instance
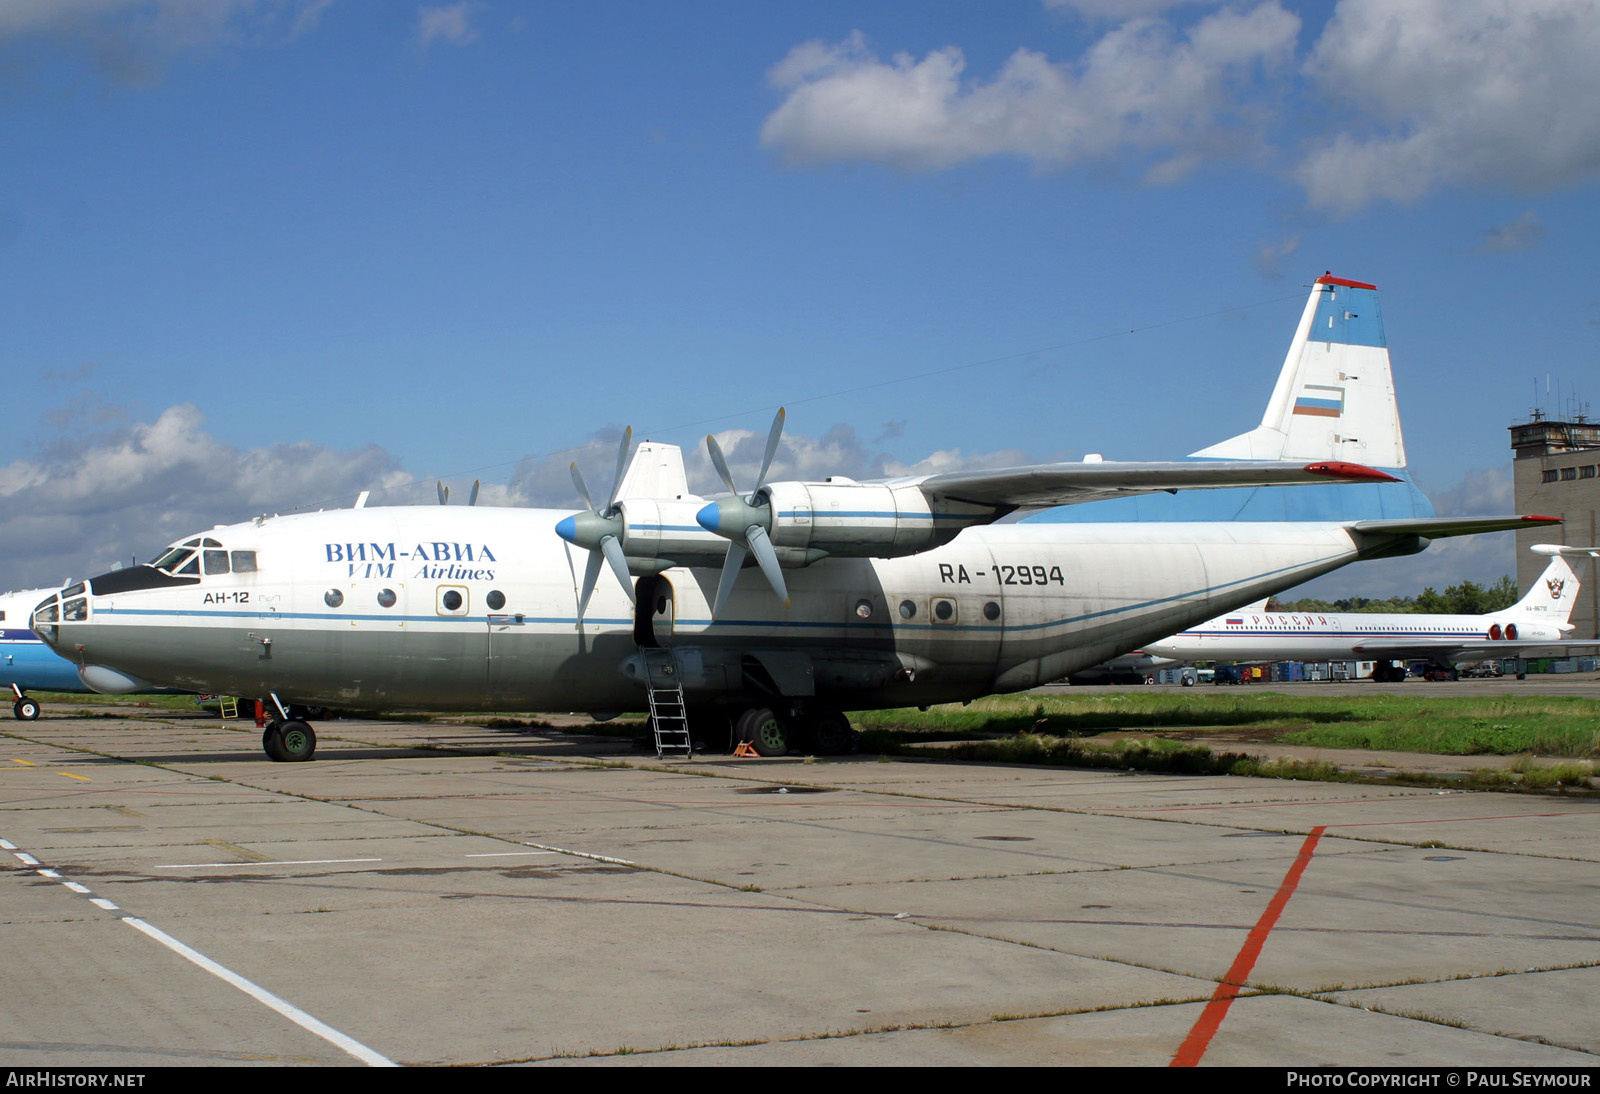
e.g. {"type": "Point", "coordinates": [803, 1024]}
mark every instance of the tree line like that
{"type": "Point", "coordinates": [1467, 598]}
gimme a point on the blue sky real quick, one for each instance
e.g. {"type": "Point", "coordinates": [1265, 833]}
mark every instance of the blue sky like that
{"type": "Point", "coordinates": [260, 254]}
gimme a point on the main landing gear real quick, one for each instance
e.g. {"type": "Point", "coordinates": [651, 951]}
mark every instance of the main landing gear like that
{"type": "Point", "coordinates": [24, 709]}
{"type": "Point", "coordinates": [773, 733]}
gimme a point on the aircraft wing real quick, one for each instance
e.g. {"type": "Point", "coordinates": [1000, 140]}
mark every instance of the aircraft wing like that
{"type": "Point", "coordinates": [1440, 649]}
{"type": "Point", "coordinates": [1042, 485]}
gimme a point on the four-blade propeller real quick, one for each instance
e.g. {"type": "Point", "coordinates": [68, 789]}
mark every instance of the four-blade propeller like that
{"type": "Point", "coordinates": [599, 531]}
{"type": "Point", "coordinates": [444, 493]}
{"type": "Point", "coordinates": [745, 522]}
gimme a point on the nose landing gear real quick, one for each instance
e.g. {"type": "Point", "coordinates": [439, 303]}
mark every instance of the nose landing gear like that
{"type": "Point", "coordinates": [288, 738]}
{"type": "Point", "coordinates": [291, 741]}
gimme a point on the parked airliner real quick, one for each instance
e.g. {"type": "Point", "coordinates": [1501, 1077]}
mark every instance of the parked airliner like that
{"type": "Point", "coordinates": [1535, 626]}
{"type": "Point", "coordinates": [875, 594]}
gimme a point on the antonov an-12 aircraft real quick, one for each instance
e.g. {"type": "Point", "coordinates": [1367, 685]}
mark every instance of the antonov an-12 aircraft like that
{"type": "Point", "coordinates": [902, 592]}
{"type": "Point", "coordinates": [1533, 627]}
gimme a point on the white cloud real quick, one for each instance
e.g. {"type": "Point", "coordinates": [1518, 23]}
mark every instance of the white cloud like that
{"type": "Point", "coordinates": [1270, 256]}
{"type": "Point", "coordinates": [75, 512]}
{"type": "Point", "coordinates": [132, 41]}
{"type": "Point", "coordinates": [547, 480]}
{"type": "Point", "coordinates": [1520, 234]}
{"type": "Point", "coordinates": [451, 23]}
{"type": "Point", "coordinates": [1485, 492]}
{"type": "Point", "coordinates": [1141, 89]}
{"type": "Point", "coordinates": [1494, 93]}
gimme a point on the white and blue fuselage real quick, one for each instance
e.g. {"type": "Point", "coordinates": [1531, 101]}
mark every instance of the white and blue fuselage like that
{"type": "Point", "coordinates": [477, 609]}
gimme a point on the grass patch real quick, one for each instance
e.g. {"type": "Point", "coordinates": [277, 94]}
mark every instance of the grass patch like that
{"type": "Point", "coordinates": [1150, 755]}
{"type": "Point", "coordinates": [1559, 726]}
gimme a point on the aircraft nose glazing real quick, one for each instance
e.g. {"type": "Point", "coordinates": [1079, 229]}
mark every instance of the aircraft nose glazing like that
{"type": "Point", "coordinates": [44, 620]}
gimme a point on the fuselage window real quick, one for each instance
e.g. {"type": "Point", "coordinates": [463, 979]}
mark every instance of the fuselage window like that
{"type": "Point", "coordinates": [496, 600]}
{"type": "Point", "coordinates": [944, 610]}
{"type": "Point", "coordinates": [864, 609]}
{"type": "Point", "coordinates": [451, 600]}
{"type": "Point", "coordinates": [386, 598]}
{"type": "Point", "coordinates": [991, 611]}
{"type": "Point", "coordinates": [333, 598]}
{"type": "Point", "coordinates": [908, 609]}
{"type": "Point", "coordinates": [244, 562]}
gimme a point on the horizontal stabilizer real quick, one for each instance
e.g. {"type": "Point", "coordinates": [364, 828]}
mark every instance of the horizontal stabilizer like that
{"type": "Point", "coordinates": [1442, 527]}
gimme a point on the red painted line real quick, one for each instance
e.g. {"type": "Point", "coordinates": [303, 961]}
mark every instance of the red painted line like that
{"type": "Point", "coordinates": [1194, 1046]}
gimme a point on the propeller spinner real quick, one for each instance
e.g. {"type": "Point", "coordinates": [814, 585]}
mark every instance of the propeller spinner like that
{"type": "Point", "coordinates": [599, 531]}
{"type": "Point", "coordinates": [745, 522]}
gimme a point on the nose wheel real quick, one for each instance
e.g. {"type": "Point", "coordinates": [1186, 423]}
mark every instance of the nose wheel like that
{"type": "Point", "coordinates": [292, 741]}
{"type": "Point", "coordinates": [25, 709]}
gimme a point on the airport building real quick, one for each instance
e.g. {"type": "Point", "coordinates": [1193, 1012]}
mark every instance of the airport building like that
{"type": "Point", "coordinates": [1556, 472]}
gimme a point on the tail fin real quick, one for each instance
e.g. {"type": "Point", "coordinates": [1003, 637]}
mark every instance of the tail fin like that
{"type": "Point", "coordinates": [1553, 594]}
{"type": "Point", "coordinates": [1334, 399]}
{"type": "Point", "coordinates": [656, 471]}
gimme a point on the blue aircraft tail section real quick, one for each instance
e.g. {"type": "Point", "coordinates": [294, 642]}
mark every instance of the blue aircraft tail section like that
{"type": "Point", "coordinates": [1334, 400]}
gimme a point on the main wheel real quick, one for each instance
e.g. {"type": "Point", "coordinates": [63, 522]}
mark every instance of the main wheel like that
{"type": "Point", "coordinates": [289, 742]}
{"type": "Point", "coordinates": [765, 731]}
{"type": "Point", "coordinates": [833, 734]}
{"type": "Point", "coordinates": [25, 709]}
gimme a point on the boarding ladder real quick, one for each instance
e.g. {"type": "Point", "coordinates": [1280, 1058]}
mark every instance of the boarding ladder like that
{"type": "Point", "coordinates": [668, 716]}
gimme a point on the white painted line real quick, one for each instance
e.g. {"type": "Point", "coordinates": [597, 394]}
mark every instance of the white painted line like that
{"type": "Point", "coordinates": [7, 845]}
{"type": "Point", "coordinates": [269, 862]}
{"type": "Point", "coordinates": [100, 902]}
{"type": "Point", "coordinates": [75, 887]}
{"type": "Point", "coordinates": [25, 858]}
{"type": "Point", "coordinates": [45, 872]}
{"type": "Point", "coordinates": [265, 997]}
{"type": "Point", "coordinates": [509, 854]}
{"type": "Point", "coordinates": [584, 854]}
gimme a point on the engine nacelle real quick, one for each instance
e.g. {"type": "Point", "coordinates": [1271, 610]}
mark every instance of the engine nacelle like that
{"type": "Point", "coordinates": [864, 520]}
{"type": "Point", "coordinates": [657, 534]}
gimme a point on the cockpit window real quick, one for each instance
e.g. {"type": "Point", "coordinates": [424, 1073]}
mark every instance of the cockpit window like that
{"type": "Point", "coordinates": [171, 558]}
{"type": "Point", "coordinates": [216, 561]}
{"type": "Point", "coordinates": [244, 562]}
{"type": "Point", "coordinates": [191, 565]}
